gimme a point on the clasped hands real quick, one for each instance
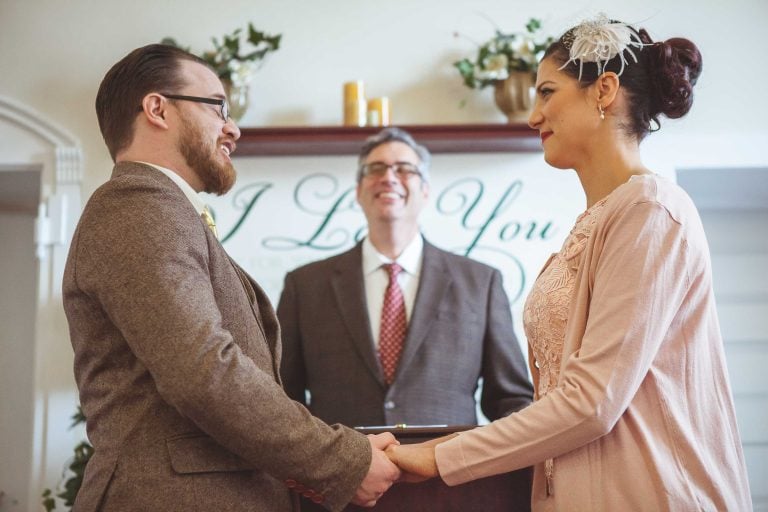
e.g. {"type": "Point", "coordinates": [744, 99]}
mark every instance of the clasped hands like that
{"type": "Point", "coordinates": [393, 462]}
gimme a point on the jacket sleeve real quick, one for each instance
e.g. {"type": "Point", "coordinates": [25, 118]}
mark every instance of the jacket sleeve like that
{"type": "Point", "coordinates": [640, 281]}
{"type": "Point", "coordinates": [145, 261]}
{"type": "Point", "coordinates": [292, 370]}
{"type": "Point", "coordinates": [506, 387]}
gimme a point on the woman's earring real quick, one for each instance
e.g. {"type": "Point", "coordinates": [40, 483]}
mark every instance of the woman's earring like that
{"type": "Point", "coordinates": [602, 112]}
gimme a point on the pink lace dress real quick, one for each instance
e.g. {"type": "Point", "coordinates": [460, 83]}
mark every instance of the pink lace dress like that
{"type": "Point", "coordinates": [546, 310]}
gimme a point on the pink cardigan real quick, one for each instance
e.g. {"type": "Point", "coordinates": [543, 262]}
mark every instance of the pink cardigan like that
{"type": "Point", "coordinates": [642, 418]}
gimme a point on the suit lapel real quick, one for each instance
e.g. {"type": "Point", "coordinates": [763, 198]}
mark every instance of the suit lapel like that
{"type": "Point", "coordinates": [262, 309]}
{"type": "Point", "coordinates": [266, 319]}
{"type": "Point", "coordinates": [348, 285]}
{"type": "Point", "coordinates": [433, 284]}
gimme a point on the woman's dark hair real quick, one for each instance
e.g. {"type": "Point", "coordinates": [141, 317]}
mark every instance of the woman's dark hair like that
{"type": "Point", "coordinates": [660, 82]}
{"type": "Point", "coordinates": [151, 68]}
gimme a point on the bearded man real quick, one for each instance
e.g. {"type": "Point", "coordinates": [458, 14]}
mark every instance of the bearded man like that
{"type": "Point", "coordinates": [176, 348]}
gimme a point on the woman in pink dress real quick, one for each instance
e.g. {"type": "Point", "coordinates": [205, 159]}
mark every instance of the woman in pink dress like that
{"type": "Point", "coordinates": [633, 406]}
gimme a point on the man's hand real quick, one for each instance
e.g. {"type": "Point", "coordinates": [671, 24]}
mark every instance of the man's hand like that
{"type": "Point", "coordinates": [382, 473]}
{"type": "Point", "coordinates": [417, 461]}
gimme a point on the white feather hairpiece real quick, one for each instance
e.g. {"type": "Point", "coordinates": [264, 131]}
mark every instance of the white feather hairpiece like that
{"type": "Point", "coordinates": [599, 40]}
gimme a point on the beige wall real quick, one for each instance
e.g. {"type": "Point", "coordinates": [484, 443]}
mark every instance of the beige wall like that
{"type": "Point", "coordinates": [53, 55]}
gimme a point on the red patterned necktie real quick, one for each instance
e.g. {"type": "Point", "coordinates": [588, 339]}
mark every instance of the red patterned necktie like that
{"type": "Point", "coordinates": [393, 324]}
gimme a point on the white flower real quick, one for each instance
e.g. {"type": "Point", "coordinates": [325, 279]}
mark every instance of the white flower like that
{"type": "Point", "coordinates": [241, 71]}
{"type": "Point", "coordinates": [525, 50]}
{"type": "Point", "coordinates": [498, 74]}
{"type": "Point", "coordinates": [494, 68]}
{"type": "Point", "coordinates": [503, 54]}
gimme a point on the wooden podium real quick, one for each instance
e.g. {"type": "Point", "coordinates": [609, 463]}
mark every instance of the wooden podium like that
{"type": "Point", "coordinates": [509, 492]}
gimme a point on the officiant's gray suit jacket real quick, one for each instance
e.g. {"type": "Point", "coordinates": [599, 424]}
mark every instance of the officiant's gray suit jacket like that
{"type": "Point", "coordinates": [460, 331]}
{"type": "Point", "coordinates": [176, 360]}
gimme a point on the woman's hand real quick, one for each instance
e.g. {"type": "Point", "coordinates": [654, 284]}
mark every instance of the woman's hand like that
{"type": "Point", "coordinates": [416, 461]}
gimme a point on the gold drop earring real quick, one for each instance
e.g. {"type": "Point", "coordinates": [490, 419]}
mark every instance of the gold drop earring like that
{"type": "Point", "coordinates": [602, 112]}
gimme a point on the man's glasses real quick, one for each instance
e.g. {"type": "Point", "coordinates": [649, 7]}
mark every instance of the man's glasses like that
{"type": "Point", "coordinates": [403, 170]}
{"type": "Point", "coordinates": [222, 103]}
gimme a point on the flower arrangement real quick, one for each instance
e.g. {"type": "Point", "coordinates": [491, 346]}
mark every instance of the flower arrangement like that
{"type": "Point", "coordinates": [503, 54]}
{"type": "Point", "coordinates": [230, 61]}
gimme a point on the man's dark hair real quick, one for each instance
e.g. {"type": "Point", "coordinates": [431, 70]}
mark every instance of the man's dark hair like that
{"type": "Point", "coordinates": [151, 68]}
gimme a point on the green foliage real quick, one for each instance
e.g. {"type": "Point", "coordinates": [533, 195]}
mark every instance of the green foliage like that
{"type": "Point", "coordinates": [72, 477]}
{"type": "Point", "coordinates": [228, 55]}
{"type": "Point", "coordinates": [78, 418]}
{"type": "Point", "coordinates": [48, 502]}
{"type": "Point", "coordinates": [502, 54]}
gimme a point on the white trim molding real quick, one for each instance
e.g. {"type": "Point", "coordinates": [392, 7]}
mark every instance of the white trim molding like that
{"type": "Point", "coordinates": [68, 152]}
{"type": "Point", "coordinates": [53, 391]}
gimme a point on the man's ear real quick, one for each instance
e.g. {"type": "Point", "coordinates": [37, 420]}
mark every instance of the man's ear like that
{"type": "Point", "coordinates": [155, 108]}
{"type": "Point", "coordinates": [606, 87]}
{"type": "Point", "coordinates": [425, 188]}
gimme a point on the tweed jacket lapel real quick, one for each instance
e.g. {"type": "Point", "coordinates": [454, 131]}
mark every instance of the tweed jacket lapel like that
{"type": "Point", "coordinates": [348, 285]}
{"type": "Point", "coordinates": [266, 319]}
{"type": "Point", "coordinates": [260, 305]}
{"type": "Point", "coordinates": [434, 282]}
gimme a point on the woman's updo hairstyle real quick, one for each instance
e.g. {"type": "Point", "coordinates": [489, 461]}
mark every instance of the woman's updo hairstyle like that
{"type": "Point", "coordinates": [660, 82]}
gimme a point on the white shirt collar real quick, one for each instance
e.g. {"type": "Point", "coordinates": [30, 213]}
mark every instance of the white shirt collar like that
{"type": "Point", "coordinates": [185, 187]}
{"type": "Point", "coordinates": [409, 259]}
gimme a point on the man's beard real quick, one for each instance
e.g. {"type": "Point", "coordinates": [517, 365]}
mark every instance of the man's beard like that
{"type": "Point", "coordinates": [217, 177]}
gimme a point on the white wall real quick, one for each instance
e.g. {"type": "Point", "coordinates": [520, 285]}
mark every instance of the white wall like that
{"type": "Point", "coordinates": [18, 304]}
{"type": "Point", "coordinates": [55, 53]}
{"type": "Point", "coordinates": [733, 204]}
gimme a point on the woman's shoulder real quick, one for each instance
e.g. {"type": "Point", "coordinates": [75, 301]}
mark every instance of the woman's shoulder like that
{"type": "Point", "coordinates": [652, 188]}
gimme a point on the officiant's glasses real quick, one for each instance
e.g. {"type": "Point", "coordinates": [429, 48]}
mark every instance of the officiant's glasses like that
{"type": "Point", "coordinates": [403, 170]}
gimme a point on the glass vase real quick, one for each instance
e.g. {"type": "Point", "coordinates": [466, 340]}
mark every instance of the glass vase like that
{"type": "Point", "coordinates": [237, 96]}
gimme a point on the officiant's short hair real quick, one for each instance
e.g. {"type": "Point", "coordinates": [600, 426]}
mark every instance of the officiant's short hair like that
{"type": "Point", "coordinates": [394, 134]}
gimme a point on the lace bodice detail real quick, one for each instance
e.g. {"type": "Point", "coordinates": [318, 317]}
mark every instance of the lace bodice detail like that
{"type": "Point", "coordinates": [545, 315]}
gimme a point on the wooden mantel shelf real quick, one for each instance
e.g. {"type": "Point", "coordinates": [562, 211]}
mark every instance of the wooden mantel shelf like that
{"type": "Point", "coordinates": [346, 140]}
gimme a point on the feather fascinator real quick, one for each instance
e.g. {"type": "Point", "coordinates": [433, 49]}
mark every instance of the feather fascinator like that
{"type": "Point", "coordinates": [599, 40]}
